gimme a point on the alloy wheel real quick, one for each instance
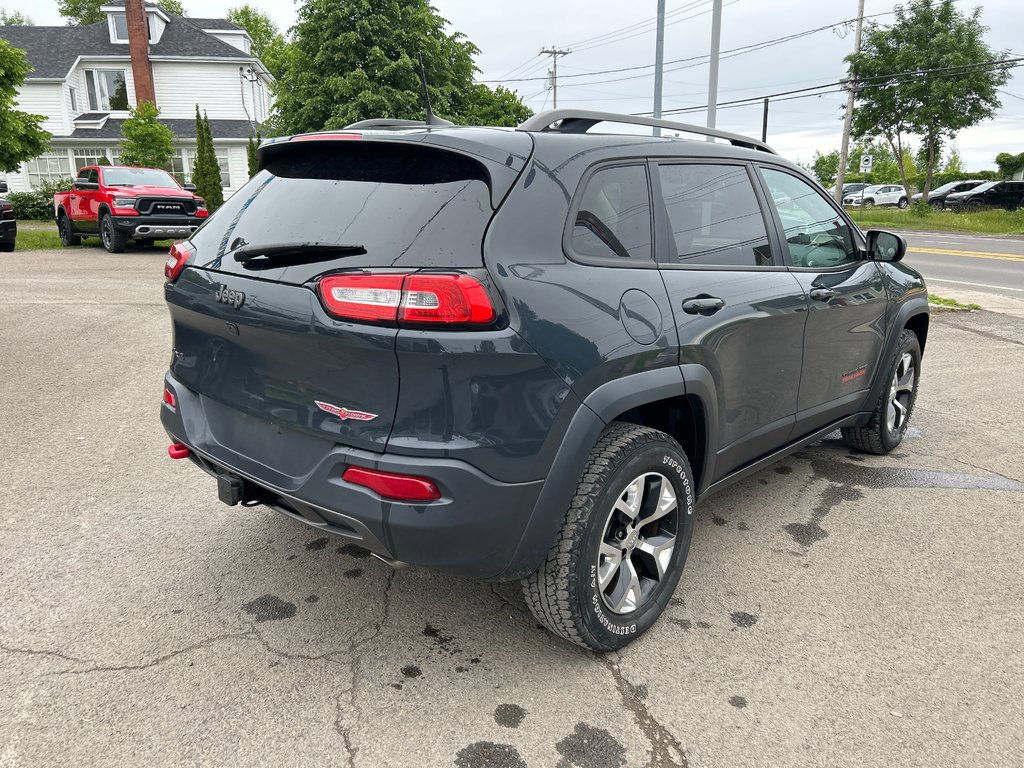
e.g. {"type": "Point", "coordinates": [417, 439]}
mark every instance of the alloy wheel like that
{"type": "Point", "coordinates": [901, 393]}
{"type": "Point", "coordinates": [638, 541]}
{"type": "Point", "coordinates": [105, 233]}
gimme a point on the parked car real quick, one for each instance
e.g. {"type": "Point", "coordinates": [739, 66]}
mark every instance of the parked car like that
{"type": "Point", "coordinates": [937, 197]}
{"type": "Point", "coordinates": [3, 187]}
{"type": "Point", "coordinates": [991, 194]}
{"type": "Point", "coordinates": [117, 203]}
{"type": "Point", "coordinates": [526, 354]}
{"type": "Point", "coordinates": [853, 188]}
{"type": "Point", "coordinates": [878, 194]}
{"type": "Point", "coordinates": [8, 226]}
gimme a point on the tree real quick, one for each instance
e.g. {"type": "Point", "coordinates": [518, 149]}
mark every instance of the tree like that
{"type": "Point", "coordinates": [826, 168]}
{"type": "Point", "coordinates": [955, 86]}
{"type": "Point", "coordinates": [146, 141]}
{"type": "Point", "coordinates": [355, 59]}
{"type": "Point", "coordinates": [955, 163]}
{"type": "Point", "coordinates": [268, 44]}
{"type": "Point", "coordinates": [206, 168]}
{"type": "Point", "coordinates": [23, 135]}
{"type": "Point", "coordinates": [83, 12]}
{"type": "Point", "coordinates": [1009, 164]}
{"type": "Point", "coordinates": [14, 19]}
{"type": "Point", "coordinates": [251, 156]}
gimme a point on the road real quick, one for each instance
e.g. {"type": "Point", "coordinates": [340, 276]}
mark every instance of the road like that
{"type": "Point", "coordinates": [971, 263]}
{"type": "Point", "coordinates": [837, 609]}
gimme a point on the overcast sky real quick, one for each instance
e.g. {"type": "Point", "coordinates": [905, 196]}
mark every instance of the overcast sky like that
{"type": "Point", "coordinates": [605, 35]}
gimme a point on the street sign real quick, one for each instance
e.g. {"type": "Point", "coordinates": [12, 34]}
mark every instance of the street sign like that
{"type": "Point", "coordinates": [866, 161]}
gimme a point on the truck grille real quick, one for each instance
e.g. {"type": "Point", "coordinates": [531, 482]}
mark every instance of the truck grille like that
{"type": "Point", "coordinates": [162, 206]}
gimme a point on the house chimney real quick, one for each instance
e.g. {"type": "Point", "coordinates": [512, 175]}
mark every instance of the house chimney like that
{"type": "Point", "coordinates": [138, 47]}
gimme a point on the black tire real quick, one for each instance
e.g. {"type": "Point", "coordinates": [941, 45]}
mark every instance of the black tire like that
{"type": "Point", "coordinates": [6, 247]}
{"type": "Point", "coordinates": [882, 434]}
{"type": "Point", "coordinates": [113, 239]}
{"type": "Point", "coordinates": [66, 230]}
{"type": "Point", "coordinates": [564, 593]}
{"type": "Point", "coordinates": [902, 203]}
{"type": "Point", "coordinates": [869, 203]}
{"type": "Point", "coordinates": [939, 205]}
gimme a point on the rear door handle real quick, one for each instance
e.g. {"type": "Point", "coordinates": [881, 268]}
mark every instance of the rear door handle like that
{"type": "Point", "coordinates": [703, 305]}
{"type": "Point", "coordinates": [822, 294]}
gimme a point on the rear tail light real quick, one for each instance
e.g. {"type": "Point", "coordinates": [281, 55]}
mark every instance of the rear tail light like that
{"type": "Point", "coordinates": [177, 259]}
{"type": "Point", "coordinates": [421, 298]}
{"type": "Point", "coordinates": [169, 398]}
{"type": "Point", "coordinates": [393, 486]}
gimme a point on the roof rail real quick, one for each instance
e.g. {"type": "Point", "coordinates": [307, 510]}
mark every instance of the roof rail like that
{"type": "Point", "coordinates": [582, 120]}
{"type": "Point", "coordinates": [385, 122]}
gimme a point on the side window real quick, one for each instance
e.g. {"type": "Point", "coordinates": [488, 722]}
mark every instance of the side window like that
{"type": "Point", "coordinates": [815, 233]}
{"type": "Point", "coordinates": [94, 176]}
{"type": "Point", "coordinates": [714, 215]}
{"type": "Point", "coordinates": [613, 221]}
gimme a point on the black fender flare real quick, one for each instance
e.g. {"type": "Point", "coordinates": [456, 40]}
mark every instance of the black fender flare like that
{"type": "Point", "coordinates": [910, 308]}
{"type": "Point", "coordinates": [599, 408]}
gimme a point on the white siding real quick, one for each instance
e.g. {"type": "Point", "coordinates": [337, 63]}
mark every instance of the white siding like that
{"type": "Point", "coordinates": [45, 99]}
{"type": "Point", "coordinates": [156, 27]}
{"type": "Point", "coordinates": [238, 163]}
{"type": "Point", "coordinates": [216, 88]}
{"type": "Point", "coordinates": [238, 40]}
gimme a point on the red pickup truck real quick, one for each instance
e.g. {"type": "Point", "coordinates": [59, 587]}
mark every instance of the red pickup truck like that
{"type": "Point", "coordinates": [119, 203]}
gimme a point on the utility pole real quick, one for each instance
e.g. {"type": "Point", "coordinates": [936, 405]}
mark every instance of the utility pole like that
{"type": "Point", "coordinates": [844, 150]}
{"type": "Point", "coordinates": [764, 121]}
{"type": "Point", "coordinates": [555, 53]}
{"type": "Point", "coordinates": [659, 62]}
{"type": "Point", "coordinates": [716, 44]}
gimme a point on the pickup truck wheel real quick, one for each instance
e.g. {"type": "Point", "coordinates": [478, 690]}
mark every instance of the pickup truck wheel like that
{"type": "Point", "coordinates": [619, 554]}
{"type": "Point", "coordinates": [891, 415]}
{"type": "Point", "coordinates": [68, 237]}
{"type": "Point", "coordinates": [114, 240]}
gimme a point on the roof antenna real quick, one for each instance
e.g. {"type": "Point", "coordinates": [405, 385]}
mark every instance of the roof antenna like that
{"type": "Point", "coordinates": [432, 119]}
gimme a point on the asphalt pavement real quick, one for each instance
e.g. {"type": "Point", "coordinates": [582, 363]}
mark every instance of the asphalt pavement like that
{"type": "Point", "coordinates": [838, 609]}
{"type": "Point", "coordinates": [970, 264]}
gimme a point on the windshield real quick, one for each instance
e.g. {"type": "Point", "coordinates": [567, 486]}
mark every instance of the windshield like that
{"type": "Point", "coordinates": [141, 177]}
{"type": "Point", "coordinates": [984, 187]}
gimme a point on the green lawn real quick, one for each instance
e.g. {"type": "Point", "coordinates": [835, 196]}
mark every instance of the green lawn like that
{"type": "Point", "coordinates": [33, 236]}
{"type": "Point", "coordinates": [982, 222]}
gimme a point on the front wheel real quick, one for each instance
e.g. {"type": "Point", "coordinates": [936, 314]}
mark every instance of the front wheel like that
{"type": "Point", "coordinates": [939, 205]}
{"type": "Point", "coordinates": [869, 203]}
{"type": "Point", "coordinates": [902, 203]}
{"type": "Point", "coordinates": [621, 550]}
{"type": "Point", "coordinates": [114, 240]}
{"type": "Point", "coordinates": [891, 415]}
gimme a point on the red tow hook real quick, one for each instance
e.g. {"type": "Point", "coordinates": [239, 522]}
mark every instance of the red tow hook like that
{"type": "Point", "coordinates": [178, 451]}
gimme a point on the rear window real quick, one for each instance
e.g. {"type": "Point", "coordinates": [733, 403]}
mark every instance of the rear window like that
{"type": "Point", "coordinates": [406, 205]}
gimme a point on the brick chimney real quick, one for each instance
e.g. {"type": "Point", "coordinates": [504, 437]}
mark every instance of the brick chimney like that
{"type": "Point", "coordinates": [138, 47]}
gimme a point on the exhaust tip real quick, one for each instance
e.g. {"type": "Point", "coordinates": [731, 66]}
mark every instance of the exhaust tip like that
{"type": "Point", "coordinates": [395, 564]}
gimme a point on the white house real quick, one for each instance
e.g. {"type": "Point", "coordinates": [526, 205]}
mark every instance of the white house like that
{"type": "Point", "coordinates": [84, 80]}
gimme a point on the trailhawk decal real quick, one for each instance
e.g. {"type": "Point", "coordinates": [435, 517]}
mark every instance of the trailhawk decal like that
{"type": "Point", "coordinates": [344, 413]}
{"type": "Point", "coordinates": [856, 373]}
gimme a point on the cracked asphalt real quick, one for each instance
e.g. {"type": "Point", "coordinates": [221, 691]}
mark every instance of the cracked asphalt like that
{"type": "Point", "coordinates": [837, 609]}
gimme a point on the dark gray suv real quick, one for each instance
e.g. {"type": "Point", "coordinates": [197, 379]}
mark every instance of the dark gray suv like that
{"type": "Point", "coordinates": [526, 354]}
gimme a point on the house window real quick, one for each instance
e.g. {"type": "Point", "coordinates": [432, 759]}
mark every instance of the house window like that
{"type": "Point", "coordinates": [49, 166]}
{"type": "Point", "coordinates": [120, 28]}
{"type": "Point", "coordinates": [73, 96]}
{"type": "Point", "coordinates": [91, 155]}
{"type": "Point", "coordinates": [222, 161]}
{"type": "Point", "coordinates": [178, 167]}
{"type": "Point", "coordinates": [107, 90]}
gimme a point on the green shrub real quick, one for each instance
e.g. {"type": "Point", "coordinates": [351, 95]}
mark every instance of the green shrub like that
{"type": "Point", "coordinates": [922, 209]}
{"type": "Point", "coordinates": [38, 204]}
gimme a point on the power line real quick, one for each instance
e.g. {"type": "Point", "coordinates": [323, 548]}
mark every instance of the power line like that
{"type": "Point", "coordinates": [648, 23]}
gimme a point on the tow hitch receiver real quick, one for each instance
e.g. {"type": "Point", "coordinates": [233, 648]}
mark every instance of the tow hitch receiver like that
{"type": "Point", "coordinates": [230, 489]}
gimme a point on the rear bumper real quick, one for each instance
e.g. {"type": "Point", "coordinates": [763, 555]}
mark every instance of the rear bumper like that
{"type": "Point", "coordinates": [474, 530]}
{"type": "Point", "coordinates": [158, 227]}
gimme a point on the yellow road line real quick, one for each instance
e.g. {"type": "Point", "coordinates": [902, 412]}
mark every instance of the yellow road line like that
{"type": "Point", "coordinates": [971, 254]}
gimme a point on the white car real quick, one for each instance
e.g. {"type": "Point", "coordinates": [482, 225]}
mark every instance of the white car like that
{"type": "Point", "coordinates": [879, 194]}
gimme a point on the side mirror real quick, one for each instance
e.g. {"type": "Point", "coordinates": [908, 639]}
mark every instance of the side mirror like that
{"type": "Point", "coordinates": [189, 187]}
{"type": "Point", "coordinates": [885, 246]}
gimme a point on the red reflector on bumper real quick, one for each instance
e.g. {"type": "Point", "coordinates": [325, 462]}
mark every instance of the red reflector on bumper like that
{"type": "Point", "coordinates": [169, 398]}
{"type": "Point", "coordinates": [393, 486]}
{"type": "Point", "coordinates": [178, 451]}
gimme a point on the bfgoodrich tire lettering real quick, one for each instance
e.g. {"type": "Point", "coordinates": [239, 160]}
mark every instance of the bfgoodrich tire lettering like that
{"type": "Point", "coordinates": [891, 415]}
{"type": "Point", "coordinates": [576, 593]}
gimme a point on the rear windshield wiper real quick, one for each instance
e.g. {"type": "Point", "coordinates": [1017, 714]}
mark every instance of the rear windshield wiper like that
{"type": "Point", "coordinates": [295, 253]}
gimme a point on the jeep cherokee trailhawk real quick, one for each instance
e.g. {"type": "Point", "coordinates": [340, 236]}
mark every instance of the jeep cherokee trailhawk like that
{"type": "Point", "coordinates": [527, 353]}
